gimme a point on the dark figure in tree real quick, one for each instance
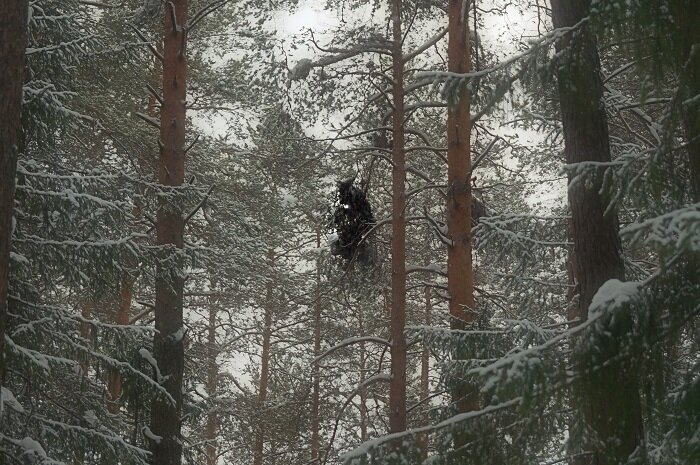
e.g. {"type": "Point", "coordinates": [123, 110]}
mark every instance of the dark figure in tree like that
{"type": "Point", "coordinates": [352, 219]}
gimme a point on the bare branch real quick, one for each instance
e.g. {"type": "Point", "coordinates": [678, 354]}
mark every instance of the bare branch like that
{"type": "Point", "coordinates": [98, 4]}
{"type": "Point", "coordinates": [149, 119]}
{"type": "Point", "coordinates": [200, 204]}
{"type": "Point", "coordinates": [350, 341]}
{"type": "Point", "coordinates": [196, 138]}
{"type": "Point", "coordinates": [146, 42]}
{"type": "Point", "coordinates": [173, 16]}
{"type": "Point", "coordinates": [432, 41]}
{"type": "Point", "coordinates": [154, 93]}
{"type": "Point", "coordinates": [205, 11]}
{"type": "Point", "coordinates": [483, 154]}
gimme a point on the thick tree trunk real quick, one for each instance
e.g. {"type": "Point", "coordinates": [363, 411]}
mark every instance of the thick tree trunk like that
{"type": "Point", "coordinates": [264, 372]}
{"type": "Point", "coordinates": [13, 41]}
{"type": "Point", "coordinates": [316, 396]}
{"type": "Point", "coordinates": [212, 428]}
{"type": "Point", "coordinates": [397, 387]}
{"type": "Point", "coordinates": [609, 394]}
{"type": "Point", "coordinates": [168, 341]}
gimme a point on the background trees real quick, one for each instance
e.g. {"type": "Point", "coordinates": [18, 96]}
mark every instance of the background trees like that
{"type": "Point", "coordinates": [285, 349]}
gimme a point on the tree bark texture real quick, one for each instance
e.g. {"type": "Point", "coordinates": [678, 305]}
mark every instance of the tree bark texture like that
{"type": "Point", "coordinates": [258, 451]}
{"type": "Point", "coordinates": [168, 341]}
{"type": "Point", "coordinates": [609, 393]}
{"type": "Point", "coordinates": [397, 387]}
{"type": "Point", "coordinates": [13, 41]}
{"type": "Point", "coordinates": [316, 396]}
{"type": "Point", "coordinates": [212, 428]}
{"type": "Point", "coordinates": [460, 274]}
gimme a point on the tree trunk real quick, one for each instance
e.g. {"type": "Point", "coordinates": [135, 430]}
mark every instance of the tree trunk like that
{"type": "Point", "coordinates": [363, 376]}
{"type": "Point", "coordinates": [686, 16]}
{"type": "Point", "coordinates": [397, 387]}
{"type": "Point", "coordinates": [86, 334]}
{"type": "Point", "coordinates": [460, 275]}
{"type": "Point", "coordinates": [13, 41]}
{"type": "Point", "coordinates": [609, 394]}
{"type": "Point", "coordinates": [424, 375]}
{"type": "Point", "coordinates": [573, 314]}
{"type": "Point", "coordinates": [264, 372]}
{"type": "Point", "coordinates": [212, 428]}
{"type": "Point", "coordinates": [315, 438]}
{"type": "Point", "coordinates": [126, 287]}
{"type": "Point", "coordinates": [168, 341]}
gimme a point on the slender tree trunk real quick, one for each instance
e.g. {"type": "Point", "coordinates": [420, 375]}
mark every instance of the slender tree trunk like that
{"type": "Point", "coordinates": [609, 394]}
{"type": "Point", "coordinates": [397, 387]}
{"type": "Point", "coordinates": [264, 372]}
{"type": "Point", "coordinates": [168, 341]}
{"type": "Point", "coordinates": [686, 17]}
{"type": "Point", "coordinates": [85, 334]}
{"type": "Point", "coordinates": [460, 274]}
{"type": "Point", "coordinates": [126, 288]}
{"type": "Point", "coordinates": [316, 397]}
{"type": "Point", "coordinates": [363, 377]}
{"type": "Point", "coordinates": [691, 120]}
{"type": "Point", "coordinates": [13, 41]}
{"type": "Point", "coordinates": [425, 373]}
{"type": "Point", "coordinates": [573, 313]}
{"type": "Point", "coordinates": [212, 428]}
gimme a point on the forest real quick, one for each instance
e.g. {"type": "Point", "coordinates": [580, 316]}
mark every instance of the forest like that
{"type": "Point", "coordinates": [347, 232]}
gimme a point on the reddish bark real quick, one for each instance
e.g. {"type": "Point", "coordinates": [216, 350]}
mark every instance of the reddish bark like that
{"type": "Point", "coordinates": [13, 41]}
{"type": "Point", "coordinates": [258, 451]}
{"type": "Point", "coordinates": [168, 341]}
{"type": "Point", "coordinates": [460, 275]}
{"type": "Point", "coordinates": [212, 428]}
{"type": "Point", "coordinates": [397, 386]}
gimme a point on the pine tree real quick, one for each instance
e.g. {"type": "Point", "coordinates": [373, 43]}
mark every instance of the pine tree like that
{"type": "Point", "coordinates": [13, 37]}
